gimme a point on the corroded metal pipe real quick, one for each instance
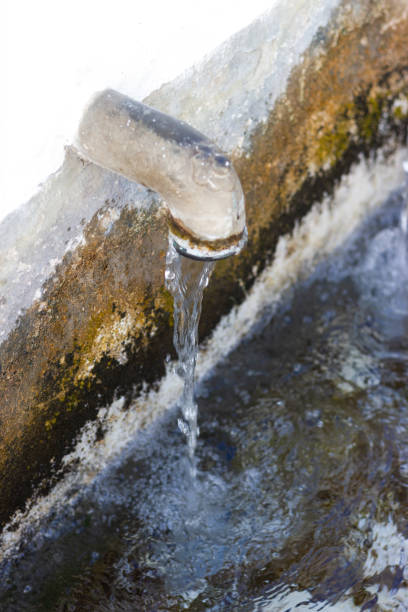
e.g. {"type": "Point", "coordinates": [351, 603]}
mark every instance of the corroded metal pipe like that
{"type": "Point", "coordinates": [196, 180]}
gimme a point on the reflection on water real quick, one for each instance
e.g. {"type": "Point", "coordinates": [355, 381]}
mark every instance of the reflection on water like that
{"type": "Point", "coordinates": [301, 497]}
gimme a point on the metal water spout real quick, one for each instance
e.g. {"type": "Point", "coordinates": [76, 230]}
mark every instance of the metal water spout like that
{"type": "Point", "coordinates": [202, 192]}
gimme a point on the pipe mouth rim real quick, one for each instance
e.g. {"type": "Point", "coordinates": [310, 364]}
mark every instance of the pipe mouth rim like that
{"type": "Point", "coordinates": [203, 251]}
{"type": "Point", "coordinates": [190, 245]}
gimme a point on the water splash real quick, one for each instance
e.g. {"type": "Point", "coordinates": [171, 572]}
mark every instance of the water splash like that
{"type": "Point", "coordinates": [186, 279]}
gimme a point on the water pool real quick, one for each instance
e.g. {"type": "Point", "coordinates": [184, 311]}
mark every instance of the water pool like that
{"type": "Point", "coordinates": [301, 498]}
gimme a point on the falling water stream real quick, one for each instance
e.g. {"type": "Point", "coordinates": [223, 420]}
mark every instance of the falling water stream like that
{"type": "Point", "coordinates": [186, 279]}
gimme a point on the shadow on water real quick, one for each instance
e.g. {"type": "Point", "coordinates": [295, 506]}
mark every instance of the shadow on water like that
{"type": "Point", "coordinates": [301, 496]}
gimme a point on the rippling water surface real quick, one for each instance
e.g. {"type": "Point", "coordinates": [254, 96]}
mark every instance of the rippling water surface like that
{"type": "Point", "coordinates": [300, 500]}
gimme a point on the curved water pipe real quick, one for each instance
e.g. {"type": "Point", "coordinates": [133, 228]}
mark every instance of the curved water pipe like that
{"type": "Point", "coordinates": [202, 192]}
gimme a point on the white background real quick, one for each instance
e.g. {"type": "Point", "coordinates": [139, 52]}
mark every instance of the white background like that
{"type": "Point", "coordinates": [57, 54]}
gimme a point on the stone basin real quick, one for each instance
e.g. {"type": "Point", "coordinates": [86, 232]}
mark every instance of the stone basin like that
{"type": "Point", "coordinates": [295, 99]}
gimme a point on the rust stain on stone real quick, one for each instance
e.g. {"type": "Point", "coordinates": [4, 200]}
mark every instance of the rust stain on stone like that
{"type": "Point", "coordinates": [340, 103]}
{"type": "Point", "coordinates": [104, 322]}
{"type": "Point", "coordinates": [331, 109]}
